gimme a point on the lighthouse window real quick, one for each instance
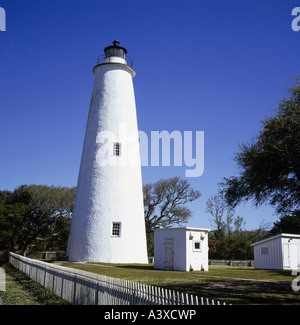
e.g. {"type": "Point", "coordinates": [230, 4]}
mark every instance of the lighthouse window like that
{"type": "Point", "coordinates": [116, 229]}
{"type": "Point", "coordinates": [117, 149]}
{"type": "Point", "coordinates": [114, 51]}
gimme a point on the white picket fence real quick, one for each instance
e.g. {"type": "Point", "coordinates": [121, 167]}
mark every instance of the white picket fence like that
{"type": "Point", "coordinates": [115, 291]}
{"type": "Point", "coordinates": [85, 288]}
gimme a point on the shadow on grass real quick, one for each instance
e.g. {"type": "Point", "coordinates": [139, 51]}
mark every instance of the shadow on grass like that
{"type": "Point", "coordinates": [242, 292]}
{"type": "Point", "coordinates": [267, 287]}
{"type": "Point", "coordinates": [38, 294]}
{"type": "Point", "coordinates": [136, 266]}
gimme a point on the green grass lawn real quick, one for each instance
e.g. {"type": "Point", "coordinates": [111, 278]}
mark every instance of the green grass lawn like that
{"type": "Point", "coordinates": [21, 290]}
{"type": "Point", "coordinates": [230, 284]}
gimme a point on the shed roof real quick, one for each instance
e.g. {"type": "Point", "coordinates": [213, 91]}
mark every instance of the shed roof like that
{"type": "Point", "coordinates": [185, 228]}
{"type": "Point", "coordinates": [274, 237]}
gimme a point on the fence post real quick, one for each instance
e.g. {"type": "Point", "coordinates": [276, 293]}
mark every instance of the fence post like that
{"type": "Point", "coordinates": [166, 297]}
{"type": "Point", "coordinates": [192, 300]}
{"type": "Point", "coordinates": [153, 302]}
{"type": "Point", "coordinates": [74, 293]}
{"type": "Point", "coordinates": [132, 292]}
{"type": "Point", "coordinates": [144, 299]}
{"type": "Point", "coordinates": [148, 293]}
{"type": "Point", "coordinates": [182, 299]}
{"type": "Point", "coordinates": [186, 299]}
{"type": "Point", "coordinates": [158, 296]}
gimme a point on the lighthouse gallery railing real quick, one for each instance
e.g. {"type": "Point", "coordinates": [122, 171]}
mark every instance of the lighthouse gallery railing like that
{"type": "Point", "coordinates": [101, 59]}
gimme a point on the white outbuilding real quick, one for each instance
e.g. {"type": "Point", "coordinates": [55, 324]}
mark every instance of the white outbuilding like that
{"type": "Point", "coordinates": [280, 252]}
{"type": "Point", "coordinates": [181, 249]}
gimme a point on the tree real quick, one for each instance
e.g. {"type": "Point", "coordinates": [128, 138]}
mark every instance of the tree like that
{"type": "Point", "coordinates": [226, 240]}
{"type": "Point", "coordinates": [11, 217]}
{"type": "Point", "coordinates": [37, 216]}
{"type": "Point", "coordinates": [217, 207]}
{"type": "Point", "coordinates": [270, 164]}
{"type": "Point", "coordinates": [287, 224]}
{"type": "Point", "coordinates": [164, 204]}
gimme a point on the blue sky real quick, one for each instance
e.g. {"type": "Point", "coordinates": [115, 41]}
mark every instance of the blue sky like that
{"type": "Point", "coordinates": [214, 66]}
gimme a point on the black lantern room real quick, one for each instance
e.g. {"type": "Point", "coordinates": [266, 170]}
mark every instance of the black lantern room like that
{"type": "Point", "coordinates": [115, 50]}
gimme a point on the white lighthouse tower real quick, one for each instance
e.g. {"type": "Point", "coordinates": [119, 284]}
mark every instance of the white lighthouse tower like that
{"type": "Point", "coordinates": [108, 222]}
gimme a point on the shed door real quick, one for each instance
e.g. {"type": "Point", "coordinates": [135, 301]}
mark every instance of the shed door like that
{"type": "Point", "coordinates": [294, 256]}
{"type": "Point", "coordinates": [291, 257]}
{"type": "Point", "coordinates": [286, 256]}
{"type": "Point", "coordinates": [169, 254]}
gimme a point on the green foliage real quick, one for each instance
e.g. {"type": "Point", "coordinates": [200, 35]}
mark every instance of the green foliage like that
{"type": "Point", "coordinates": [21, 290]}
{"type": "Point", "coordinates": [11, 219]}
{"type": "Point", "coordinates": [287, 224]}
{"type": "Point", "coordinates": [35, 217]}
{"type": "Point", "coordinates": [270, 164]}
{"type": "Point", "coordinates": [228, 240]}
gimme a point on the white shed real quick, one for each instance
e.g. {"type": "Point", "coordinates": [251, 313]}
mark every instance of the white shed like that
{"type": "Point", "coordinates": [181, 249]}
{"type": "Point", "coordinates": [280, 252]}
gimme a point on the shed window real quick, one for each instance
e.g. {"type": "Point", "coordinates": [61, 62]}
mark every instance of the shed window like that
{"type": "Point", "coordinates": [117, 149]}
{"type": "Point", "coordinates": [264, 250]}
{"type": "Point", "coordinates": [116, 229]}
{"type": "Point", "coordinates": [197, 246]}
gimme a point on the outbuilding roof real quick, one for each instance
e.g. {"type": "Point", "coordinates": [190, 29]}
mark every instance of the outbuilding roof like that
{"type": "Point", "coordinates": [274, 237]}
{"type": "Point", "coordinates": [185, 228]}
